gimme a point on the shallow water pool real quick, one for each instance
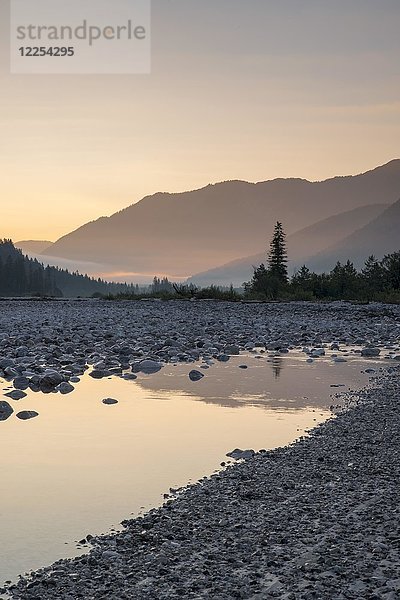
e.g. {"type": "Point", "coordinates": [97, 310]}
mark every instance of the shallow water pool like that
{"type": "Point", "coordinates": [81, 466]}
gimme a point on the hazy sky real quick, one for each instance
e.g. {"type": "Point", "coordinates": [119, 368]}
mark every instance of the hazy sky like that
{"type": "Point", "coordinates": [252, 90]}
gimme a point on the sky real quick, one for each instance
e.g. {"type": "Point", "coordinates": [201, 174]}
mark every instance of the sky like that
{"type": "Point", "coordinates": [250, 90]}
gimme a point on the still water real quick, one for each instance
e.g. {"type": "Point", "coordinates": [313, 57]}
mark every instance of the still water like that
{"type": "Point", "coordinates": [81, 466]}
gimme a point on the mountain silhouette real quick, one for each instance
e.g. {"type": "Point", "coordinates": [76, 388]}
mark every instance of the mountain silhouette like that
{"type": "Point", "coordinates": [379, 237]}
{"type": "Point", "coordinates": [33, 246]}
{"type": "Point", "coordinates": [184, 233]}
{"type": "Point", "coordinates": [301, 246]}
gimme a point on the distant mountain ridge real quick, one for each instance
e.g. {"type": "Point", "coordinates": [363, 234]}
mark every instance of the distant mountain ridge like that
{"type": "Point", "coordinates": [33, 246]}
{"type": "Point", "coordinates": [317, 236]}
{"type": "Point", "coordinates": [379, 237]}
{"type": "Point", "coordinates": [184, 233]}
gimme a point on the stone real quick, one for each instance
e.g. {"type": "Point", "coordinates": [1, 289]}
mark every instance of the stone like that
{"type": "Point", "coordinates": [50, 379]}
{"type": "Point", "coordinates": [99, 374]}
{"type": "Point", "coordinates": [25, 415]}
{"type": "Point", "coordinates": [370, 351]}
{"type": "Point", "coordinates": [21, 383]}
{"type": "Point", "coordinates": [65, 387]}
{"type": "Point", "coordinates": [195, 375]}
{"type": "Point", "coordinates": [129, 376]}
{"type": "Point", "coordinates": [223, 358]}
{"type": "Point", "coordinates": [15, 394]}
{"type": "Point", "coordinates": [6, 362]}
{"type": "Point", "coordinates": [232, 350]}
{"type": "Point", "coordinates": [238, 454]}
{"type": "Point", "coordinates": [6, 410]}
{"type": "Point", "coordinates": [148, 367]}
{"type": "Point", "coordinates": [110, 401]}
{"type": "Point", "coordinates": [110, 555]}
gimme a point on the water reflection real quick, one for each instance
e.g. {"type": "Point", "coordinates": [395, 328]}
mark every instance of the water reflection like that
{"type": "Point", "coordinates": [81, 466]}
{"type": "Point", "coordinates": [269, 383]}
{"type": "Point", "coordinates": [277, 365]}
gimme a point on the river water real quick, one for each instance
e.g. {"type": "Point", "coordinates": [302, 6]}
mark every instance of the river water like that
{"type": "Point", "coordinates": [81, 466]}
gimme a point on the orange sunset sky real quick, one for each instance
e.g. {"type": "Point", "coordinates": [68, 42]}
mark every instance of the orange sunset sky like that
{"type": "Point", "coordinates": [238, 90]}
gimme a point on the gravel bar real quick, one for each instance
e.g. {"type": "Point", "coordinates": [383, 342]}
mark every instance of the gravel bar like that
{"type": "Point", "coordinates": [317, 519]}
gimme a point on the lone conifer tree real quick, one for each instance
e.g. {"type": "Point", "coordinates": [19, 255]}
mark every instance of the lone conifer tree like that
{"type": "Point", "coordinates": [277, 257]}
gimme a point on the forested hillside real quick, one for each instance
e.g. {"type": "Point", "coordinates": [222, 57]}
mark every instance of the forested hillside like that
{"type": "Point", "coordinates": [23, 276]}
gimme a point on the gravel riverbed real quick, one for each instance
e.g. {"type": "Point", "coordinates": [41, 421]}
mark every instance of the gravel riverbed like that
{"type": "Point", "coordinates": [317, 519]}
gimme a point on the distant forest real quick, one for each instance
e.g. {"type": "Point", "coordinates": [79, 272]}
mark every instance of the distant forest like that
{"type": "Point", "coordinates": [379, 280]}
{"type": "Point", "coordinates": [23, 276]}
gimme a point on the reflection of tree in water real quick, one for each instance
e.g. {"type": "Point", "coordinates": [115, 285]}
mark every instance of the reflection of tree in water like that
{"type": "Point", "coordinates": [277, 366]}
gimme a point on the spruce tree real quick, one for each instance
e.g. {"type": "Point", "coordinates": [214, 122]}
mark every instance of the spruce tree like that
{"type": "Point", "coordinates": [277, 256]}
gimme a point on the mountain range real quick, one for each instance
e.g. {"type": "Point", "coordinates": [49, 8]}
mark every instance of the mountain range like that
{"type": "Point", "coordinates": [182, 234]}
{"type": "Point", "coordinates": [303, 247]}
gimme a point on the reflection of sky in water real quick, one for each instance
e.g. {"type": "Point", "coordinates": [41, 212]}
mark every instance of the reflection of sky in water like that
{"type": "Point", "coordinates": [81, 466]}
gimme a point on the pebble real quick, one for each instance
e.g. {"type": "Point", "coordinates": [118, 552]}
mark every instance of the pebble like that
{"type": "Point", "coordinates": [110, 401]}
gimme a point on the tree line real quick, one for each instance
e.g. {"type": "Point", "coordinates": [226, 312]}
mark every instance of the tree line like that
{"type": "Point", "coordinates": [378, 280]}
{"type": "Point", "coordinates": [23, 276]}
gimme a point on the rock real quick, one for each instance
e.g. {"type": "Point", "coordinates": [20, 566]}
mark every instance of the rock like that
{"type": "Point", "coordinates": [223, 358]}
{"type": "Point", "coordinates": [99, 374]}
{"type": "Point", "coordinates": [110, 401]}
{"type": "Point", "coordinates": [148, 367]}
{"type": "Point", "coordinates": [25, 415]}
{"type": "Point", "coordinates": [15, 394]}
{"type": "Point", "coordinates": [22, 351]}
{"type": "Point", "coordinates": [6, 410]}
{"type": "Point", "coordinates": [370, 351]}
{"type": "Point", "coordinates": [238, 454]}
{"type": "Point", "coordinates": [232, 349]}
{"type": "Point", "coordinates": [65, 388]}
{"type": "Point", "coordinates": [110, 555]}
{"type": "Point", "coordinates": [316, 352]}
{"type": "Point", "coordinates": [21, 383]}
{"type": "Point", "coordinates": [195, 375]}
{"type": "Point", "coordinates": [129, 376]}
{"type": "Point", "coordinates": [11, 372]}
{"type": "Point", "coordinates": [6, 362]}
{"type": "Point", "coordinates": [50, 379]}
